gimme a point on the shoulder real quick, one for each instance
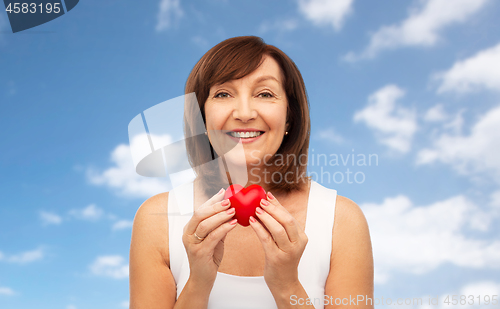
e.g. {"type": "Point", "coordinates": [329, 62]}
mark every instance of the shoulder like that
{"type": "Point", "coordinates": [347, 211]}
{"type": "Point", "coordinates": [152, 284]}
{"type": "Point", "coordinates": [350, 226]}
{"type": "Point", "coordinates": [156, 203]}
{"type": "Point", "coordinates": [150, 228]}
{"type": "Point", "coordinates": [351, 261]}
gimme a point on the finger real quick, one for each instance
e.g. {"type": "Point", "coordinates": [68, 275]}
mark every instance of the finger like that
{"type": "Point", "coordinates": [264, 236]}
{"type": "Point", "coordinates": [218, 234]}
{"type": "Point", "coordinates": [277, 230]}
{"type": "Point", "coordinates": [211, 223]}
{"type": "Point", "coordinates": [272, 206]}
{"type": "Point", "coordinates": [207, 209]}
{"type": "Point", "coordinates": [208, 205]}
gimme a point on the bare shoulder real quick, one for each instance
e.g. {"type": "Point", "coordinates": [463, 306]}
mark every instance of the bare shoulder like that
{"type": "Point", "coordinates": [152, 284]}
{"type": "Point", "coordinates": [347, 211]}
{"type": "Point", "coordinates": [150, 228]}
{"type": "Point", "coordinates": [350, 226]}
{"type": "Point", "coordinates": [351, 262]}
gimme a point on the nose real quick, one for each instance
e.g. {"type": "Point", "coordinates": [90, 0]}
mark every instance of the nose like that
{"type": "Point", "coordinates": [244, 110]}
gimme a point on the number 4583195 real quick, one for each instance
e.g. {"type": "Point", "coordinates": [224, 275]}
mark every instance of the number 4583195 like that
{"type": "Point", "coordinates": [471, 300]}
{"type": "Point", "coordinates": [33, 8]}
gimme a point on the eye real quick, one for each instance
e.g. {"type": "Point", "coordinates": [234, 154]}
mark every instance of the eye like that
{"type": "Point", "coordinates": [266, 95]}
{"type": "Point", "coordinates": [222, 95]}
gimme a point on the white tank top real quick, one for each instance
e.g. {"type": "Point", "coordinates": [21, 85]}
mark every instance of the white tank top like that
{"type": "Point", "coordinates": [241, 292]}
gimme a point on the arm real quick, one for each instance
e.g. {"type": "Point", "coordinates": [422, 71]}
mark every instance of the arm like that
{"type": "Point", "coordinates": [151, 282]}
{"type": "Point", "coordinates": [284, 242]}
{"type": "Point", "coordinates": [351, 265]}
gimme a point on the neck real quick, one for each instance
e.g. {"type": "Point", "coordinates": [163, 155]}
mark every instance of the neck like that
{"type": "Point", "coordinates": [259, 175]}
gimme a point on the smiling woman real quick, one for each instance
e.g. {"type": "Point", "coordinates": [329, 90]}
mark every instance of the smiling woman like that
{"type": "Point", "coordinates": [305, 247]}
{"type": "Point", "coordinates": [269, 91]}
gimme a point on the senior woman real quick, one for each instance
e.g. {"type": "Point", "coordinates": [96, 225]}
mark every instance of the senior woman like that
{"type": "Point", "coordinates": [305, 246]}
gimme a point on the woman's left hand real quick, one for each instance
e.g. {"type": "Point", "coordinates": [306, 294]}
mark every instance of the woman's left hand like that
{"type": "Point", "coordinates": [283, 241]}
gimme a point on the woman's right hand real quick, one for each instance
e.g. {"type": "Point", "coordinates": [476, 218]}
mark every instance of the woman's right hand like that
{"type": "Point", "coordinates": [204, 237]}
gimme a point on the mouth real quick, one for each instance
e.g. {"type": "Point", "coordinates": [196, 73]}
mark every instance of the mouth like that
{"type": "Point", "coordinates": [245, 134]}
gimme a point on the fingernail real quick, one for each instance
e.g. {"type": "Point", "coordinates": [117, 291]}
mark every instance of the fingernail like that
{"type": "Point", "coordinates": [225, 203]}
{"type": "Point", "coordinates": [264, 202]}
{"type": "Point", "coordinates": [230, 211]}
{"type": "Point", "coordinates": [252, 219]}
{"type": "Point", "coordinates": [259, 210]}
{"type": "Point", "coordinates": [270, 195]}
{"type": "Point", "coordinates": [221, 190]}
{"type": "Point", "coordinates": [233, 222]}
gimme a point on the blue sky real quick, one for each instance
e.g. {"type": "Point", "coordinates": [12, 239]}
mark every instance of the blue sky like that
{"type": "Point", "coordinates": [415, 83]}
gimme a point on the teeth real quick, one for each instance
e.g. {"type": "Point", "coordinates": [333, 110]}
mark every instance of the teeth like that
{"type": "Point", "coordinates": [245, 134]}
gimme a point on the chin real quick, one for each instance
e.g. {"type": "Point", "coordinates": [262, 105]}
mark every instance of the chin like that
{"type": "Point", "coordinates": [247, 160]}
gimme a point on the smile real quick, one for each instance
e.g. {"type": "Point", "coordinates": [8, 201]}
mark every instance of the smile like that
{"type": "Point", "coordinates": [249, 134]}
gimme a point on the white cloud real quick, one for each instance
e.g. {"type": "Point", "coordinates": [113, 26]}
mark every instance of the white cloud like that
{"type": "Point", "coordinates": [495, 199]}
{"type": "Point", "coordinates": [481, 288]}
{"type": "Point", "coordinates": [6, 291]}
{"type": "Point", "coordinates": [477, 290]}
{"type": "Point", "coordinates": [112, 266]}
{"type": "Point", "coordinates": [123, 177]}
{"type": "Point", "coordinates": [49, 218]}
{"type": "Point", "coordinates": [170, 12]}
{"type": "Point", "coordinates": [122, 224]}
{"type": "Point", "coordinates": [89, 213]}
{"type": "Point", "coordinates": [436, 114]}
{"type": "Point", "coordinates": [418, 239]}
{"type": "Point", "coordinates": [330, 135]}
{"type": "Point", "coordinates": [23, 257]}
{"type": "Point", "coordinates": [393, 125]}
{"type": "Point", "coordinates": [421, 28]}
{"type": "Point", "coordinates": [455, 123]}
{"type": "Point", "coordinates": [481, 71]}
{"type": "Point", "coordinates": [476, 152]}
{"type": "Point", "coordinates": [326, 12]}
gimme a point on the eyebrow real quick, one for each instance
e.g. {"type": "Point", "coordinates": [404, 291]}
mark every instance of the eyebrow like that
{"type": "Point", "coordinates": [266, 77]}
{"type": "Point", "coordinates": [258, 80]}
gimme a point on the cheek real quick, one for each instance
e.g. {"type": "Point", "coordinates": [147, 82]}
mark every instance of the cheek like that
{"type": "Point", "coordinates": [214, 117]}
{"type": "Point", "coordinates": [275, 117]}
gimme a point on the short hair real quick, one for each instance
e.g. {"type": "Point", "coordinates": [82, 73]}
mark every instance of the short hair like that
{"type": "Point", "coordinates": [235, 58]}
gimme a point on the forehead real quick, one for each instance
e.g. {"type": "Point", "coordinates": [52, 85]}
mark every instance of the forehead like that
{"type": "Point", "coordinates": [269, 66]}
{"type": "Point", "coordinates": [268, 69]}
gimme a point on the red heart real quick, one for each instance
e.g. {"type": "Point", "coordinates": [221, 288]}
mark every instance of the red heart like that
{"type": "Point", "coordinates": [244, 201]}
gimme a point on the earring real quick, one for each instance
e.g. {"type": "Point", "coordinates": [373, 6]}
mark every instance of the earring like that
{"type": "Point", "coordinates": [286, 132]}
{"type": "Point", "coordinates": [206, 133]}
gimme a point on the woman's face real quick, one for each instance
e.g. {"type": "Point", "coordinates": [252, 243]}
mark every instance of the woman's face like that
{"type": "Point", "coordinates": [253, 109]}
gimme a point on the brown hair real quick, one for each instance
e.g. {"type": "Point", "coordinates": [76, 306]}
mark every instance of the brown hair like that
{"type": "Point", "coordinates": [235, 58]}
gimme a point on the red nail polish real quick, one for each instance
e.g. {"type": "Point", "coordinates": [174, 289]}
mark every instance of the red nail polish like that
{"type": "Point", "coordinates": [233, 222]}
{"type": "Point", "coordinates": [259, 210]}
{"type": "Point", "coordinates": [252, 219]}
{"type": "Point", "coordinates": [225, 202]}
{"type": "Point", "coordinates": [264, 202]}
{"type": "Point", "coordinates": [270, 195]}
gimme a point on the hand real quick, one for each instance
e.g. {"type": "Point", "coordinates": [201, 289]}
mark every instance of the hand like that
{"type": "Point", "coordinates": [204, 237]}
{"type": "Point", "coordinates": [283, 241]}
